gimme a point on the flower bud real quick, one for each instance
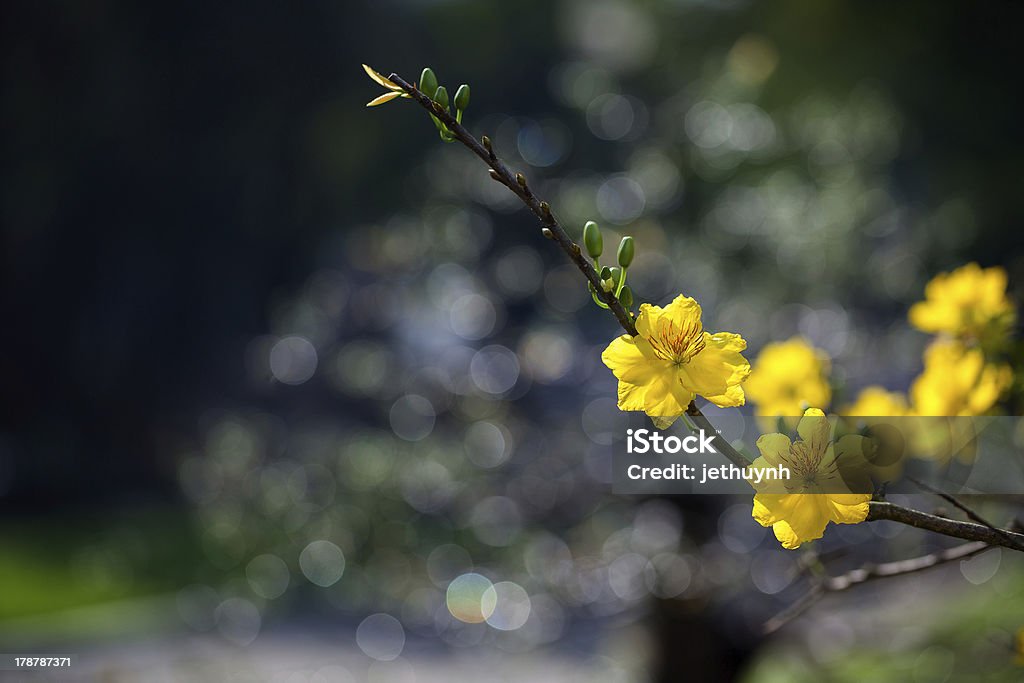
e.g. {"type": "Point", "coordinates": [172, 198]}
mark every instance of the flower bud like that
{"type": "Point", "coordinates": [441, 97]}
{"type": "Point", "coordinates": [592, 239]}
{"type": "Point", "coordinates": [428, 82]}
{"type": "Point", "coordinates": [625, 255]}
{"type": "Point", "coordinates": [462, 97]}
{"type": "Point", "coordinates": [606, 273]}
{"type": "Point", "coordinates": [626, 297]}
{"type": "Point", "coordinates": [616, 275]}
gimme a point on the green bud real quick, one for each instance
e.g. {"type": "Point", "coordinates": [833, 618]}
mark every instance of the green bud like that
{"type": "Point", "coordinates": [616, 275]}
{"type": "Point", "coordinates": [592, 239]}
{"type": "Point", "coordinates": [606, 273]}
{"type": "Point", "coordinates": [441, 97]}
{"type": "Point", "coordinates": [462, 97]}
{"type": "Point", "coordinates": [625, 255]}
{"type": "Point", "coordinates": [626, 296]}
{"type": "Point", "coordinates": [428, 82]}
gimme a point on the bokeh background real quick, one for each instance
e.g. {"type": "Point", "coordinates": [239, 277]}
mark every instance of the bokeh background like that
{"type": "Point", "coordinates": [292, 391]}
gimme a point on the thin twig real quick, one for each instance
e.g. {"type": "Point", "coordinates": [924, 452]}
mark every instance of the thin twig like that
{"type": "Point", "coordinates": [971, 514]}
{"type": "Point", "coordinates": [518, 185]}
{"type": "Point", "coordinates": [968, 531]}
{"type": "Point", "coordinates": [854, 577]}
{"type": "Point", "coordinates": [539, 208]}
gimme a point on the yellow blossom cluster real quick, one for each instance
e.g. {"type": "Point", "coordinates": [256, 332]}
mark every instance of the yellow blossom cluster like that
{"type": "Point", "coordinates": [963, 374]}
{"type": "Point", "coordinates": [969, 305]}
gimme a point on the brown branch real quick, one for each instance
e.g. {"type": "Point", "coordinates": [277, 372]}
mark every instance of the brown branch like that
{"type": "Point", "coordinates": [854, 577]}
{"type": "Point", "coordinates": [541, 209]}
{"type": "Point", "coordinates": [518, 185]}
{"type": "Point", "coordinates": [968, 531]}
{"type": "Point", "coordinates": [971, 514]}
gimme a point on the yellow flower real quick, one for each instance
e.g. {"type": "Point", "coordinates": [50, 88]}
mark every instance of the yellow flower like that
{"type": "Point", "coordinates": [672, 359]}
{"type": "Point", "coordinates": [394, 90]}
{"type": "Point", "coordinates": [957, 381]}
{"type": "Point", "coordinates": [969, 303]}
{"type": "Point", "coordinates": [875, 401]}
{"type": "Point", "coordinates": [874, 408]}
{"type": "Point", "coordinates": [789, 376]}
{"type": "Point", "coordinates": [817, 491]}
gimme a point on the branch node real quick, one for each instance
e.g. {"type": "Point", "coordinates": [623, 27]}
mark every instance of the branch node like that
{"type": "Point", "coordinates": [486, 142]}
{"type": "Point", "coordinates": [494, 175]}
{"type": "Point", "coordinates": [547, 233]}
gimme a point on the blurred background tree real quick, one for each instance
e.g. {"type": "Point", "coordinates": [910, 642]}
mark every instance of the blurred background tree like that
{"type": "Point", "coordinates": [245, 315]}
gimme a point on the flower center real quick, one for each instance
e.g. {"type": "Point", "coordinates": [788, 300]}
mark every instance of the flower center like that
{"type": "Point", "coordinates": [805, 466]}
{"type": "Point", "coordinates": [678, 344]}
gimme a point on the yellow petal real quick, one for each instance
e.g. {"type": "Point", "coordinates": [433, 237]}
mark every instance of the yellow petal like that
{"type": "Point", "coordinates": [684, 309]}
{"type": "Point", "coordinates": [386, 82]}
{"type": "Point", "coordinates": [767, 486]}
{"type": "Point", "coordinates": [386, 97]}
{"type": "Point", "coordinates": [795, 518]}
{"type": "Point", "coordinates": [660, 398]}
{"type": "Point", "coordinates": [787, 537]}
{"type": "Point", "coordinates": [928, 317]}
{"type": "Point", "coordinates": [718, 369]}
{"type": "Point", "coordinates": [810, 516]}
{"type": "Point", "coordinates": [732, 398]}
{"type": "Point", "coordinates": [774, 447]}
{"type": "Point", "coordinates": [664, 422]}
{"type": "Point", "coordinates": [647, 320]}
{"type": "Point", "coordinates": [628, 363]}
{"type": "Point", "coordinates": [815, 430]}
{"type": "Point", "coordinates": [761, 512]}
{"type": "Point", "coordinates": [681, 312]}
{"type": "Point", "coordinates": [849, 508]}
{"type": "Point", "coordinates": [770, 508]}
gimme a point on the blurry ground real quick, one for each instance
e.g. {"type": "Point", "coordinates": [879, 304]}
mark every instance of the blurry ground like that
{"type": "Point", "coordinates": [301, 657]}
{"type": "Point", "coordinates": [313, 653]}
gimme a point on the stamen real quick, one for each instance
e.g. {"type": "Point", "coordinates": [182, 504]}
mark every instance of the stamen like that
{"type": "Point", "coordinates": [679, 344]}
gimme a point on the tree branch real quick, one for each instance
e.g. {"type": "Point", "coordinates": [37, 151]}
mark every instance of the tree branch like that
{"type": "Point", "coordinates": [834, 584]}
{"type": "Point", "coordinates": [541, 209]}
{"type": "Point", "coordinates": [968, 531]}
{"type": "Point", "coordinates": [971, 514]}
{"type": "Point", "coordinates": [518, 185]}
